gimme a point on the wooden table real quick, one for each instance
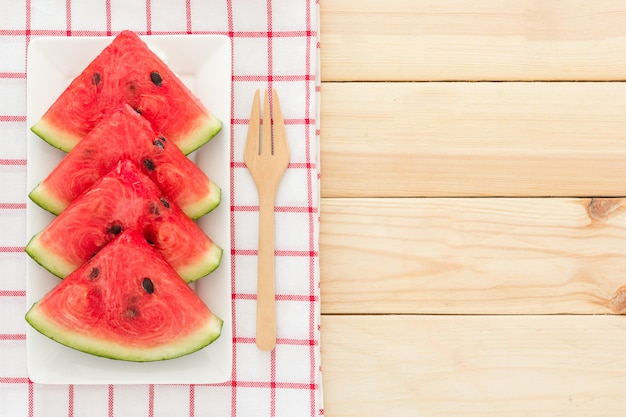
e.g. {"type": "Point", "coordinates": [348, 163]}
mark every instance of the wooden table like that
{"type": "Point", "coordinates": [473, 235]}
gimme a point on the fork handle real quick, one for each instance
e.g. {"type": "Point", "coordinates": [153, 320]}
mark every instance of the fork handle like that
{"type": "Point", "coordinates": [266, 298]}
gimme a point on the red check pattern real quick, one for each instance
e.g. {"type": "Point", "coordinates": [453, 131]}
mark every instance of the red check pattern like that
{"type": "Point", "coordinates": [275, 44]}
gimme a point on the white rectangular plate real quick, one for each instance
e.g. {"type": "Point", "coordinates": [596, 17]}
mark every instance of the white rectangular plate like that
{"type": "Point", "coordinates": [204, 65]}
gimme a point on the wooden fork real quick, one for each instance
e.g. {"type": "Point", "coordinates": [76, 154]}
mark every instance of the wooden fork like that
{"type": "Point", "coordinates": [267, 157]}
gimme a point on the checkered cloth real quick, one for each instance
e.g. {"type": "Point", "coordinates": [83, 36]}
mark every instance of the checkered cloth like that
{"type": "Point", "coordinates": [274, 44]}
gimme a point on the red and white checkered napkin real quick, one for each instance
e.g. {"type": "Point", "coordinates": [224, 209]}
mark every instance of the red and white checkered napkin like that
{"type": "Point", "coordinates": [275, 44]}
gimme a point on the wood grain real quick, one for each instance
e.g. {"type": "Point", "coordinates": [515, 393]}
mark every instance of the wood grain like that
{"type": "Point", "coordinates": [473, 256]}
{"type": "Point", "coordinates": [474, 366]}
{"type": "Point", "coordinates": [473, 139]}
{"type": "Point", "coordinates": [407, 40]}
{"type": "Point", "coordinates": [504, 305]}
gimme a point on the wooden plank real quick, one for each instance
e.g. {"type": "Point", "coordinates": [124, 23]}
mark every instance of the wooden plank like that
{"type": "Point", "coordinates": [408, 40]}
{"type": "Point", "coordinates": [473, 139]}
{"type": "Point", "coordinates": [474, 366]}
{"type": "Point", "coordinates": [473, 256]}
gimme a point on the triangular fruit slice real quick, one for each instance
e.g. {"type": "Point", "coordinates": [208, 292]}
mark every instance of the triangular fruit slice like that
{"type": "Point", "coordinates": [124, 199]}
{"type": "Point", "coordinates": [126, 303]}
{"type": "Point", "coordinates": [125, 134]}
{"type": "Point", "coordinates": [128, 71]}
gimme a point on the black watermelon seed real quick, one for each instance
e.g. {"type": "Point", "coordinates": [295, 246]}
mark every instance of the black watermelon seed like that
{"type": "Point", "coordinates": [165, 202]}
{"type": "Point", "coordinates": [154, 209]}
{"type": "Point", "coordinates": [147, 285]}
{"type": "Point", "coordinates": [162, 138]}
{"type": "Point", "coordinates": [147, 162]}
{"type": "Point", "coordinates": [156, 78]}
{"type": "Point", "coordinates": [115, 229]}
{"type": "Point", "coordinates": [96, 78]}
{"type": "Point", "coordinates": [138, 110]}
{"type": "Point", "coordinates": [158, 143]}
{"type": "Point", "coordinates": [95, 272]}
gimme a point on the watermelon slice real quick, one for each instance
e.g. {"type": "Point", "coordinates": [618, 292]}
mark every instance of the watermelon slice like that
{"type": "Point", "coordinates": [125, 134]}
{"type": "Point", "coordinates": [124, 199]}
{"type": "Point", "coordinates": [126, 303]}
{"type": "Point", "coordinates": [127, 71]}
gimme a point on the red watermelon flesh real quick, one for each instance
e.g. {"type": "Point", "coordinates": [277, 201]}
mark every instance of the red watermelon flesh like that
{"type": "Point", "coordinates": [125, 134]}
{"type": "Point", "coordinates": [126, 303]}
{"type": "Point", "coordinates": [124, 199]}
{"type": "Point", "coordinates": [127, 71]}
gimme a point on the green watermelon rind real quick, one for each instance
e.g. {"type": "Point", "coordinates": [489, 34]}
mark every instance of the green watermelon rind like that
{"type": "Point", "coordinates": [207, 204]}
{"type": "Point", "coordinates": [199, 339]}
{"type": "Point", "coordinates": [206, 131]}
{"type": "Point", "coordinates": [211, 259]}
{"type": "Point", "coordinates": [55, 136]}
{"type": "Point", "coordinates": [50, 261]}
{"type": "Point", "coordinates": [47, 201]}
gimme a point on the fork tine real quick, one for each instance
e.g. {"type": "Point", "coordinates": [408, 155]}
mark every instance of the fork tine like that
{"type": "Point", "coordinates": [266, 136]}
{"type": "Point", "coordinates": [252, 143]}
{"type": "Point", "coordinates": [280, 138]}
